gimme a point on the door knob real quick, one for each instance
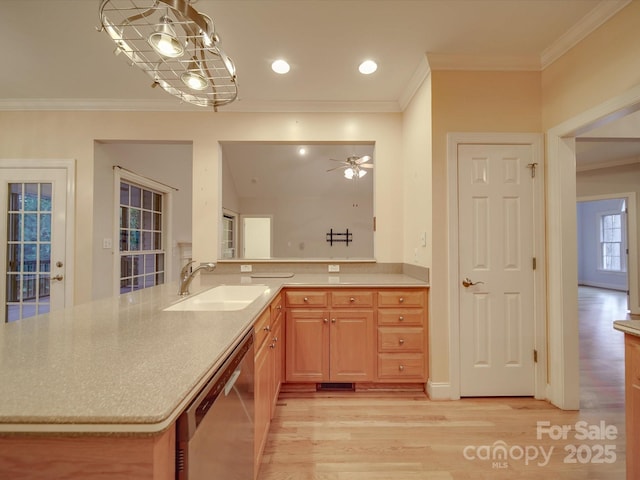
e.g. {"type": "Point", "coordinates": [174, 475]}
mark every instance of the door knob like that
{"type": "Point", "coordinates": [466, 283]}
{"type": "Point", "coordinates": [57, 278]}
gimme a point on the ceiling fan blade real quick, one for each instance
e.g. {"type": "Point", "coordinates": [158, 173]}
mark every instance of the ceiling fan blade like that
{"type": "Point", "coordinates": [335, 160]}
{"type": "Point", "coordinates": [363, 159]}
{"type": "Point", "coordinates": [366, 166]}
{"type": "Point", "coordinates": [335, 168]}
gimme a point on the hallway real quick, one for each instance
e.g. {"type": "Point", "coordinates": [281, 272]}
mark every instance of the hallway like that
{"type": "Point", "coordinates": [402, 437]}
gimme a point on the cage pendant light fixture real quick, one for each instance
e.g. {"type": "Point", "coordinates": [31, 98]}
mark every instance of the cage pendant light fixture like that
{"type": "Point", "coordinates": [176, 45]}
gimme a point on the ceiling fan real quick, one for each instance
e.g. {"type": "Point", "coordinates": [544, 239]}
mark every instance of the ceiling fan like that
{"type": "Point", "coordinates": [354, 166]}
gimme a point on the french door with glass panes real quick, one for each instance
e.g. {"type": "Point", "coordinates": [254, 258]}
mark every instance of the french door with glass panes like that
{"type": "Point", "coordinates": [32, 235]}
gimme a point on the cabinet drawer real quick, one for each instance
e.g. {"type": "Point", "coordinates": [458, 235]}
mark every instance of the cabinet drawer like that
{"type": "Point", "coordinates": [262, 328]}
{"type": "Point", "coordinates": [401, 366]}
{"type": "Point", "coordinates": [399, 316]}
{"type": "Point", "coordinates": [307, 299]}
{"type": "Point", "coordinates": [352, 299]}
{"type": "Point", "coordinates": [397, 339]}
{"type": "Point", "coordinates": [401, 298]}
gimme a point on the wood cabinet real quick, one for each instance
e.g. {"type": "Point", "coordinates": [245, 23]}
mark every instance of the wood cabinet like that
{"type": "Point", "coordinates": [632, 404]}
{"type": "Point", "coordinates": [269, 360]}
{"type": "Point", "coordinates": [330, 336]}
{"type": "Point", "coordinates": [402, 335]}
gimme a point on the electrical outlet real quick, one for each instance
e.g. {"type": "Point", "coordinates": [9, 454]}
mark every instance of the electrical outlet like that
{"type": "Point", "coordinates": [246, 268]}
{"type": "Point", "coordinates": [334, 268]}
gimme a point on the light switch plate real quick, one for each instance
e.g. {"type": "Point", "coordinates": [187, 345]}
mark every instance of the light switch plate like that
{"type": "Point", "coordinates": [246, 268]}
{"type": "Point", "coordinates": [107, 243]}
{"type": "Point", "coordinates": [334, 268]}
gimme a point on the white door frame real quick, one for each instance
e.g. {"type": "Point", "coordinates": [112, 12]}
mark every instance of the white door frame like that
{"type": "Point", "coordinates": [69, 166]}
{"type": "Point", "coordinates": [632, 243]}
{"type": "Point", "coordinates": [536, 142]}
{"type": "Point", "coordinates": [564, 385]}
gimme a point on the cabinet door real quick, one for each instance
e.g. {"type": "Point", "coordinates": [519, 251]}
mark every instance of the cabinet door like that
{"type": "Point", "coordinates": [352, 346]}
{"type": "Point", "coordinates": [632, 404]}
{"type": "Point", "coordinates": [307, 340]}
{"type": "Point", "coordinates": [264, 374]}
{"type": "Point", "coordinates": [277, 352]}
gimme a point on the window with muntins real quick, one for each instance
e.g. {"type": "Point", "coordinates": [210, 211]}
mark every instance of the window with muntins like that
{"type": "Point", "coordinates": [611, 243]}
{"type": "Point", "coordinates": [142, 254]}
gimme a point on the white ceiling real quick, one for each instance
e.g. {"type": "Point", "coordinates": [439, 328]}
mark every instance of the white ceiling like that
{"type": "Point", "coordinates": [58, 59]}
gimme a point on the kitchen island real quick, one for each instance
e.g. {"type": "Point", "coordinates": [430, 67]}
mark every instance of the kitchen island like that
{"type": "Point", "coordinates": [117, 373]}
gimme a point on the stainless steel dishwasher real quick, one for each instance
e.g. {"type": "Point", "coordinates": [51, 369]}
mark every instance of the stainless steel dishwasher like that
{"type": "Point", "coordinates": [215, 433]}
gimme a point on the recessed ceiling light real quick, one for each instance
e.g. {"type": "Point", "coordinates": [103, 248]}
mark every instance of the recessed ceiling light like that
{"type": "Point", "coordinates": [280, 66]}
{"type": "Point", "coordinates": [368, 67]}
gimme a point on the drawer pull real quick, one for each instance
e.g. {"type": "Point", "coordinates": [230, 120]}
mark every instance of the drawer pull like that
{"type": "Point", "coordinates": [306, 299]}
{"type": "Point", "coordinates": [401, 368]}
{"type": "Point", "coordinates": [273, 345]}
{"type": "Point", "coordinates": [401, 318]}
{"type": "Point", "coordinates": [267, 328]}
{"type": "Point", "coordinates": [401, 341]}
{"type": "Point", "coordinates": [333, 320]}
{"type": "Point", "coordinates": [326, 320]}
{"type": "Point", "coordinates": [352, 299]}
{"type": "Point", "coordinates": [279, 307]}
{"type": "Point", "coordinates": [401, 299]}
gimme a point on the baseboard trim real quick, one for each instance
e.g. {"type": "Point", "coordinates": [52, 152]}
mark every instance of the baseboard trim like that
{"type": "Point", "coordinates": [439, 390]}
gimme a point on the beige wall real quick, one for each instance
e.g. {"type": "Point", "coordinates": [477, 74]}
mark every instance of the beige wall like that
{"type": "Point", "coordinates": [71, 135]}
{"type": "Point", "coordinates": [602, 66]}
{"type": "Point", "coordinates": [416, 165]}
{"type": "Point", "coordinates": [468, 102]}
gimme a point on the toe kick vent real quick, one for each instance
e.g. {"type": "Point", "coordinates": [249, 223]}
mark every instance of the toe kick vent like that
{"type": "Point", "coordinates": [335, 387]}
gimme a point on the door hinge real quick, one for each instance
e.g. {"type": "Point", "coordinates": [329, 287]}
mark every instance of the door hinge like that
{"type": "Point", "coordinates": [535, 356]}
{"type": "Point", "coordinates": [374, 224]}
{"type": "Point", "coordinates": [532, 166]}
{"type": "Point", "coordinates": [534, 263]}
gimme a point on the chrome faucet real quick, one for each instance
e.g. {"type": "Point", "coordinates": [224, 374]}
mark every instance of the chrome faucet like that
{"type": "Point", "coordinates": [186, 275]}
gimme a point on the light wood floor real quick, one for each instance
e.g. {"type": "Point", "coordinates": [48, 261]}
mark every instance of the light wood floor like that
{"type": "Point", "coordinates": [406, 437]}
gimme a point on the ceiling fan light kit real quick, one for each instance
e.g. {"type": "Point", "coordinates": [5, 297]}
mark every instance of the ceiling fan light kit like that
{"type": "Point", "coordinates": [354, 166]}
{"type": "Point", "coordinates": [176, 45]}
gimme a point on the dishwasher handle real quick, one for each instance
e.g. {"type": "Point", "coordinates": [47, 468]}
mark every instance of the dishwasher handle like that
{"type": "Point", "coordinates": [223, 381]}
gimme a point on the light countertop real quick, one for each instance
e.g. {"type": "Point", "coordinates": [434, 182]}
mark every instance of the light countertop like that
{"type": "Point", "coordinates": [628, 326]}
{"type": "Point", "coordinates": [122, 364]}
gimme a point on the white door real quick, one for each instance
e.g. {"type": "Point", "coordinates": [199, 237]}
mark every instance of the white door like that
{"type": "Point", "coordinates": [32, 239]}
{"type": "Point", "coordinates": [256, 235]}
{"type": "Point", "coordinates": [496, 278]}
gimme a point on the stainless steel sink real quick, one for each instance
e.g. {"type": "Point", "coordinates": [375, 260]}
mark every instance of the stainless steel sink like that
{"type": "Point", "coordinates": [222, 298]}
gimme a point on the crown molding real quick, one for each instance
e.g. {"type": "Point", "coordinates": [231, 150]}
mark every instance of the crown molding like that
{"type": "Point", "coordinates": [607, 164]}
{"type": "Point", "coordinates": [422, 71]}
{"type": "Point", "coordinates": [589, 23]}
{"type": "Point", "coordinates": [170, 105]}
{"type": "Point", "coordinates": [443, 61]}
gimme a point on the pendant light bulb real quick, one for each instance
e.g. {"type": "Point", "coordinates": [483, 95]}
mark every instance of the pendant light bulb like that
{"type": "Point", "coordinates": [165, 41]}
{"type": "Point", "coordinates": [194, 78]}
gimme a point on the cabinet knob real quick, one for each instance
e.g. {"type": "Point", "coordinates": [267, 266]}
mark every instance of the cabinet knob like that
{"type": "Point", "coordinates": [306, 299]}
{"type": "Point", "coordinates": [273, 345]}
{"type": "Point", "coordinates": [401, 299]}
{"type": "Point", "coordinates": [401, 368]}
{"type": "Point", "coordinates": [333, 320]}
{"type": "Point", "coordinates": [267, 328]}
{"type": "Point", "coordinates": [401, 318]}
{"type": "Point", "coordinates": [279, 307]}
{"type": "Point", "coordinates": [326, 320]}
{"type": "Point", "coordinates": [401, 341]}
{"type": "Point", "coordinates": [352, 299]}
{"type": "Point", "coordinates": [275, 339]}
